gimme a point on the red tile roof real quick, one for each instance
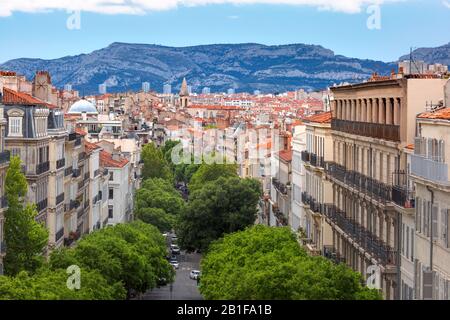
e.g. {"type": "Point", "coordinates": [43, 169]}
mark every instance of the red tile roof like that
{"type": "Point", "coordinates": [286, 155]}
{"type": "Point", "coordinates": [80, 132]}
{"type": "Point", "coordinates": [106, 160]}
{"type": "Point", "coordinates": [89, 146]}
{"type": "Point", "coordinates": [443, 114]}
{"type": "Point", "coordinates": [14, 97]}
{"type": "Point", "coordinates": [209, 107]}
{"type": "Point", "coordinates": [324, 117]}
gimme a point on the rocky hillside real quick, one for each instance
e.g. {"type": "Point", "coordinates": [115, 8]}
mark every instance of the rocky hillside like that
{"type": "Point", "coordinates": [432, 55]}
{"type": "Point", "coordinates": [245, 67]}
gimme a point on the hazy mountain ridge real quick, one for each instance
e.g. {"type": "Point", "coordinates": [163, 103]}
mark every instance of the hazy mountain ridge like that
{"type": "Point", "coordinates": [245, 67]}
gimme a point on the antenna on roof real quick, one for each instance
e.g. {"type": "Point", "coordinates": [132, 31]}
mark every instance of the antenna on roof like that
{"type": "Point", "coordinates": [412, 60]}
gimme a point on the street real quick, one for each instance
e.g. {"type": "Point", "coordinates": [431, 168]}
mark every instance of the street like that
{"type": "Point", "coordinates": [183, 288]}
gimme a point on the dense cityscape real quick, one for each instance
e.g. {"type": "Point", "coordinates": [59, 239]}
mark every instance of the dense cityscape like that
{"type": "Point", "coordinates": [213, 168]}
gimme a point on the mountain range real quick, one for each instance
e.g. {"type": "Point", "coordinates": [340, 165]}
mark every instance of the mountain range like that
{"type": "Point", "coordinates": [244, 67]}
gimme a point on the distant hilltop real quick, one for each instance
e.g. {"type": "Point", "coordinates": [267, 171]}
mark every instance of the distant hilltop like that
{"type": "Point", "coordinates": [243, 67]}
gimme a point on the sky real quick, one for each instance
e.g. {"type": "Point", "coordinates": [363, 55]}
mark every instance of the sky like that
{"type": "Point", "coordinates": [46, 29]}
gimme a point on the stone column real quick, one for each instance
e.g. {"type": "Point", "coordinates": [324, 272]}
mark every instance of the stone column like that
{"type": "Point", "coordinates": [364, 110]}
{"type": "Point", "coordinates": [375, 110]}
{"type": "Point", "coordinates": [381, 111]}
{"type": "Point", "coordinates": [397, 111]}
{"type": "Point", "coordinates": [389, 115]}
{"type": "Point", "coordinates": [369, 111]}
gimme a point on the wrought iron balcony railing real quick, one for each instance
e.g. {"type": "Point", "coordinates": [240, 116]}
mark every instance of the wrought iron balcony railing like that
{"type": "Point", "coordinates": [42, 205]}
{"type": "Point", "coordinates": [68, 171]}
{"type": "Point", "coordinates": [72, 136]}
{"type": "Point", "coordinates": [363, 237]}
{"type": "Point", "coordinates": [317, 161]}
{"type": "Point", "coordinates": [42, 167]}
{"type": "Point", "coordinates": [60, 163]}
{"type": "Point", "coordinates": [306, 156]}
{"type": "Point", "coordinates": [59, 198]}
{"type": "Point", "coordinates": [282, 219]}
{"type": "Point", "coordinates": [281, 187]}
{"type": "Point", "coordinates": [59, 234]}
{"type": "Point", "coordinates": [5, 156]}
{"type": "Point", "coordinates": [367, 129]}
{"type": "Point", "coordinates": [76, 173]}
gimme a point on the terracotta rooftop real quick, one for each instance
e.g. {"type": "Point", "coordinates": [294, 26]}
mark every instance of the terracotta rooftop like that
{"type": "Point", "coordinates": [443, 114]}
{"type": "Point", "coordinates": [410, 147]}
{"type": "Point", "coordinates": [89, 146]}
{"type": "Point", "coordinates": [324, 117]}
{"type": "Point", "coordinates": [106, 160]}
{"type": "Point", "coordinates": [210, 107]}
{"type": "Point", "coordinates": [14, 97]}
{"type": "Point", "coordinates": [286, 155]}
{"type": "Point", "coordinates": [80, 132]}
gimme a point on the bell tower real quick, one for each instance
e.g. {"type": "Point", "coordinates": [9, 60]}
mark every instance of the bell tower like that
{"type": "Point", "coordinates": [184, 95]}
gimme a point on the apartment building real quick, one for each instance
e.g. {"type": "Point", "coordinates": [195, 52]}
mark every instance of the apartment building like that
{"type": "Point", "coordinates": [4, 163]}
{"type": "Point", "coordinates": [27, 136]}
{"type": "Point", "coordinates": [56, 195]}
{"type": "Point", "coordinates": [281, 173]}
{"type": "Point", "coordinates": [298, 175]}
{"type": "Point", "coordinates": [120, 201]}
{"type": "Point", "coordinates": [317, 195]}
{"type": "Point", "coordinates": [427, 245]}
{"type": "Point", "coordinates": [372, 122]}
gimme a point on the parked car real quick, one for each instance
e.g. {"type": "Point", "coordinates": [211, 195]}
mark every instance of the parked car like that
{"type": "Point", "coordinates": [162, 282]}
{"type": "Point", "coordinates": [175, 249]}
{"type": "Point", "coordinates": [194, 275]}
{"type": "Point", "coordinates": [174, 263]}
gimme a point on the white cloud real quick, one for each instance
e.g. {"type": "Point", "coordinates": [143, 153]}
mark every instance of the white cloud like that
{"type": "Point", "coordinates": [446, 3]}
{"type": "Point", "coordinates": [8, 7]}
{"type": "Point", "coordinates": [233, 17]}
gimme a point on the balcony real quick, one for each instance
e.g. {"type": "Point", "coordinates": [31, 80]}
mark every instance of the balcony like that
{"type": "Point", "coordinates": [279, 186]}
{"type": "Point", "coordinates": [305, 156]}
{"type": "Point", "coordinates": [68, 171]}
{"type": "Point", "coordinates": [80, 213]}
{"type": "Point", "coordinates": [403, 197]}
{"type": "Point", "coordinates": [82, 156]}
{"type": "Point", "coordinates": [76, 173]}
{"type": "Point", "coordinates": [86, 176]}
{"type": "Point", "coordinates": [42, 205]}
{"type": "Point", "coordinates": [43, 167]}
{"type": "Point", "coordinates": [73, 236]}
{"type": "Point", "coordinates": [59, 235]}
{"type": "Point", "coordinates": [3, 202]}
{"type": "Point", "coordinates": [97, 172]}
{"type": "Point", "coordinates": [430, 170]}
{"type": "Point", "coordinates": [317, 161]}
{"type": "Point", "coordinates": [373, 188]}
{"type": "Point", "coordinates": [377, 248]}
{"type": "Point", "coordinates": [5, 156]}
{"type": "Point", "coordinates": [281, 218]}
{"type": "Point", "coordinates": [81, 184]}
{"type": "Point", "coordinates": [60, 163]}
{"type": "Point", "coordinates": [74, 204]}
{"type": "Point", "coordinates": [367, 129]}
{"type": "Point", "coordinates": [59, 198]}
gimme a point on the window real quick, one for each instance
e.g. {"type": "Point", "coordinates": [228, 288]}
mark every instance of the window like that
{"type": "Point", "coordinates": [111, 193]}
{"type": "Point", "coordinates": [15, 126]}
{"type": "Point", "coordinates": [111, 176]}
{"type": "Point", "coordinates": [110, 212]}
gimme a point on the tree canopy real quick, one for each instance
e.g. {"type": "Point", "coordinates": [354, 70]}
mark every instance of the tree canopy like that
{"type": "Point", "coordinates": [131, 254]}
{"type": "Point", "coordinates": [25, 238]}
{"type": "Point", "coordinates": [221, 206]}
{"type": "Point", "coordinates": [264, 263]}
{"type": "Point", "coordinates": [209, 173]}
{"type": "Point", "coordinates": [155, 165]}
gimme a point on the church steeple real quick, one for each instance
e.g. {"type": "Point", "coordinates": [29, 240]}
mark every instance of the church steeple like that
{"type": "Point", "coordinates": [184, 94]}
{"type": "Point", "coordinates": [184, 89]}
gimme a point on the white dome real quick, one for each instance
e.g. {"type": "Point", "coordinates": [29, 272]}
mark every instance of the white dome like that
{"type": "Point", "coordinates": [82, 106]}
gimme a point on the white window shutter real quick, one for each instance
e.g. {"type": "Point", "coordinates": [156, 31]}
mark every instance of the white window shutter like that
{"type": "Point", "coordinates": [427, 285]}
{"type": "Point", "coordinates": [435, 221]}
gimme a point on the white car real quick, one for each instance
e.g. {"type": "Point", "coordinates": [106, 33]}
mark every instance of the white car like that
{"type": "Point", "coordinates": [175, 249]}
{"type": "Point", "coordinates": [194, 275]}
{"type": "Point", "coordinates": [175, 264]}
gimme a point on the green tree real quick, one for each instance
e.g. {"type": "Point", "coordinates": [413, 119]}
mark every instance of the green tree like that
{"type": "Point", "coordinates": [132, 254]}
{"type": "Point", "coordinates": [25, 238]}
{"type": "Point", "coordinates": [155, 166]}
{"type": "Point", "coordinates": [157, 217]}
{"type": "Point", "coordinates": [222, 206]}
{"type": "Point", "coordinates": [52, 285]}
{"type": "Point", "coordinates": [264, 263]}
{"type": "Point", "coordinates": [209, 173]}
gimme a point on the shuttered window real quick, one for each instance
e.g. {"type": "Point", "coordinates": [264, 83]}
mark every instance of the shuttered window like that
{"type": "Point", "coordinates": [435, 220]}
{"type": "Point", "coordinates": [427, 285]}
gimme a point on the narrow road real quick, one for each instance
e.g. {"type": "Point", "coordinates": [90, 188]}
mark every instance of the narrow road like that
{"type": "Point", "coordinates": [183, 288]}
